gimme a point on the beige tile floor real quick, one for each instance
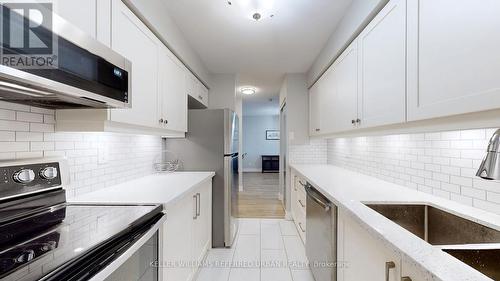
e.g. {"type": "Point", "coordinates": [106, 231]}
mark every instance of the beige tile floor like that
{"type": "Point", "coordinates": [265, 250]}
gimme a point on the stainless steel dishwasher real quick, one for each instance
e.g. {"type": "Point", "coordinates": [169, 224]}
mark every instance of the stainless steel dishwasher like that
{"type": "Point", "coordinates": [321, 241]}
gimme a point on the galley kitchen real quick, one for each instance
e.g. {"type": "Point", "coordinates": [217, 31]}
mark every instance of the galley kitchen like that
{"type": "Point", "coordinates": [256, 140]}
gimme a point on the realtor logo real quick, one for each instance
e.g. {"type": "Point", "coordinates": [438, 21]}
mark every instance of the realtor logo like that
{"type": "Point", "coordinates": [27, 38]}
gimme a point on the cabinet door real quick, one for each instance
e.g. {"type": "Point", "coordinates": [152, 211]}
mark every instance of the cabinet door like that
{"type": "Point", "coordinates": [314, 109]}
{"type": "Point", "coordinates": [453, 57]}
{"type": "Point", "coordinates": [344, 88]}
{"type": "Point", "coordinates": [177, 240]}
{"type": "Point", "coordinates": [172, 92]}
{"type": "Point", "coordinates": [365, 256]}
{"type": "Point", "coordinates": [410, 269]}
{"type": "Point", "coordinates": [132, 39]}
{"type": "Point", "coordinates": [80, 13]}
{"type": "Point", "coordinates": [382, 67]}
{"type": "Point", "coordinates": [202, 93]}
{"type": "Point", "coordinates": [337, 93]}
{"type": "Point", "coordinates": [202, 224]}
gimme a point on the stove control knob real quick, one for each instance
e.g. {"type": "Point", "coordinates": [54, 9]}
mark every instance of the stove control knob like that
{"type": "Point", "coordinates": [24, 176]}
{"type": "Point", "coordinates": [49, 173]}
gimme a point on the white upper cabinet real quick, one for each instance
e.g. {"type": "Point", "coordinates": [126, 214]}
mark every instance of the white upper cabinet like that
{"type": "Point", "coordinates": [80, 13]}
{"type": "Point", "coordinates": [159, 89]}
{"type": "Point", "coordinates": [382, 67]}
{"type": "Point", "coordinates": [132, 39]}
{"type": "Point", "coordinates": [314, 109]}
{"type": "Point", "coordinates": [453, 57]}
{"type": "Point", "coordinates": [172, 106]}
{"type": "Point", "coordinates": [343, 109]}
{"type": "Point", "coordinates": [333, 99]}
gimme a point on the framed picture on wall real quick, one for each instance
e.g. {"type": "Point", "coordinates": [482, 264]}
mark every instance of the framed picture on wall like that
{"type": "Point", "coordinates": [272, 135]}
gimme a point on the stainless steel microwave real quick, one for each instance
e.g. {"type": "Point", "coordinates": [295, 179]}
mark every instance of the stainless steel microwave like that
{"type": "Point", "coordinates": [86, 73]}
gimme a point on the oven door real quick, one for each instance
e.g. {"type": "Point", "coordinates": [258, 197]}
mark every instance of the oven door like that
{"type": "Point", "coordinates": [140, 262]}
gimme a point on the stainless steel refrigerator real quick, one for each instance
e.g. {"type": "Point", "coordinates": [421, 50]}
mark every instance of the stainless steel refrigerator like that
{"type": "Point", "coordinates": [211, 144]}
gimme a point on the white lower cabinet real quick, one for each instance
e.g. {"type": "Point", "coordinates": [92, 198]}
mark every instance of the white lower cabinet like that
{"type": "Point", "coordinates": [298, 206]}
{"type": "Point", "coordinates": [187, 234]}
{"type": "Point", "coordinates": [363, 256]}
{"type": "Point", "coordinates": [412, 272]}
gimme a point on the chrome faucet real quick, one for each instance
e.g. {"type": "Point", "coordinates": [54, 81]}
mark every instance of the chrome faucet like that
{"type": "Point", "coordinates": [490, 167]}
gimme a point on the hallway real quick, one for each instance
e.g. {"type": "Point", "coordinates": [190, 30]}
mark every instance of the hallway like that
{"type": "Point", "coordinates": [265, 250]}
{"type": "Point", "coordinates": [260, 196]}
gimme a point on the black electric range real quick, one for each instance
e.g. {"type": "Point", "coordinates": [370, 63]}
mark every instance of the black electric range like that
{"type": "Point", "coordinates": [42, 237]}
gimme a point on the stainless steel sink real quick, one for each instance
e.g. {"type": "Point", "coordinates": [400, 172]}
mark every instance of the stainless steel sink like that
{"type": "Point", "coordinates": [472, 243]}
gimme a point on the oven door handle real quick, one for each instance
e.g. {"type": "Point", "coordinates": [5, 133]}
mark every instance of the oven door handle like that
{"type": "Point", "coordinates": [110, 268]}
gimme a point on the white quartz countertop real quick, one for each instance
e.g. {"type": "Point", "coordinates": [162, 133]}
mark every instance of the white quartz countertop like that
{"type": "Point", "coordinates": [349, 190]}
{"type": "Point", "coordinates": [164, 188]}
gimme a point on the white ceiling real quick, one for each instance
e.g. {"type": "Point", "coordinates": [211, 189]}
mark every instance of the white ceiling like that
{"type": "Point", "coordinates": [259, 52]}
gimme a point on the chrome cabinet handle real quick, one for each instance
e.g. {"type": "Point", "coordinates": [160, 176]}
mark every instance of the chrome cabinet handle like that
{"type": "Point", "coordinates": [165, 121]}
{"type": "Point", "coordinates": [161, 120]}
{"type": "Point", "coordinates": [301, 204]}
{"type": "Point", "coordinates": [303, 184]}
{"type": "Point", "coordinates": [200, 97]}
{"type": "Point", "coordinates": [317, 130]}
{"type": "Point", "coordinates": [353, 121]}
{"type": "Point", "coordinates": [300, 226]}
{"type": "Point", "coordinates": [388, 266]}
{"type": "Point", "coordinates": [406, 278]}
{"type": "Point", "coordinates": [358, 120]}
{"type": "Point", "coordinates": [195, 198]}
{"type": "Point", "coordinates": [198, 205]}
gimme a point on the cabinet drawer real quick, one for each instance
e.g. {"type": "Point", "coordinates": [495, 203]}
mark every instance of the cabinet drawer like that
{"type": "Point", "coordinates": [300, 223]}
{"type": "Point", "coordinates": [301, 200]}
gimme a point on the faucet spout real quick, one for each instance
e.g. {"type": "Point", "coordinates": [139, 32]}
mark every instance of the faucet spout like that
{"type": "Point", "coordinates": [490, 166]}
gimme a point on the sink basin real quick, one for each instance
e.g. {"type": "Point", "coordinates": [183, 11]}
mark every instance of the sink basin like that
{"type": "Point", "coordinates": [436, 226]}
{"type": "Point", "coordinates": [472, 243]}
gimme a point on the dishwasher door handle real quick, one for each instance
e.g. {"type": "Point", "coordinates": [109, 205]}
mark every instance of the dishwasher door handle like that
{"type": "Point", "coordinates": [313, 195]}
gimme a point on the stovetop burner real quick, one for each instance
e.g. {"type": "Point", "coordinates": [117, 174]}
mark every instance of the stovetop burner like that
{"type": "Point", "coordinates": [40, 232]}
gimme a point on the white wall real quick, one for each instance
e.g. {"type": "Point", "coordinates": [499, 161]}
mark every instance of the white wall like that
{"type": "Point", "coordinates": [441, 163]}
{"type": "Point", "coordinates": [222, 94]}
{"type": "Point", "coordinates": [357, 16]}
{"type": "Point", "coordinates": [254, 140]}
{"type": "Point", "coordinates": [156, 15]}
{"type": "Point", "coordinates": [294, 92]}
{"type": "Point", "coordinates": [28, 132]}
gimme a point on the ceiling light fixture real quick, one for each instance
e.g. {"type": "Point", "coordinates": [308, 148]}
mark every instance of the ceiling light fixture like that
{"type": "Point", "coordinates": [248, 91]}
{"type": "Point", "coordinates": [256, 10]}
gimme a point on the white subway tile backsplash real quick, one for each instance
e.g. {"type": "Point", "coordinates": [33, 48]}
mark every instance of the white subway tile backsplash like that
{"type": "Point", "coordinates": [29, 133]}
{"type": "Point", "coordinates": [42, 128]}
{"type": "Point", "coordinates": [440, 163]}
{"type": "Point", "coordinates": [6, 114]}
{"type": "Point", "coordinates": [29, 117]}
{"type": "Point", "coordinates": [28, 136]}
{"type": "Point", "coordinates": [14, 126]}
{"type": "Point", "coordinates": [313, 153]}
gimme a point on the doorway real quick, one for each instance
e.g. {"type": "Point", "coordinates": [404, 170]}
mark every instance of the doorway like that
{"type": "Point", "coordinates": [260, 195]}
